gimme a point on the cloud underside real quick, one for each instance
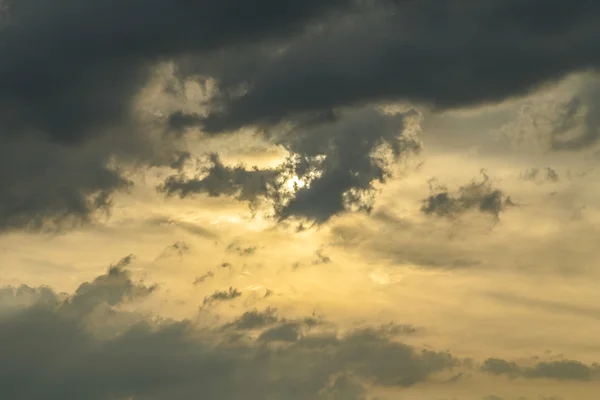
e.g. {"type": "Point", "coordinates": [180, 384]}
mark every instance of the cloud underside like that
{"type": "Point", "coordinates": [299, 64]}
{"type": "Point", "coordinates": [86, 345]}
{"type": "Point", "coordinates": [333, 167]}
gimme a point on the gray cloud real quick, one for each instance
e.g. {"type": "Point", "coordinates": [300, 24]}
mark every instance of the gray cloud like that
{"type": "Point", "coordinates": [498, 366]}
{"type": "Point", "coordinates": [480, 196]}
{"type": "Point", "coordinates": [89, 78]}
{"type": "Point", "coordinates": [335, 162]}
{"type": "Point", "coordinates": [220, 180]}
{"type": "Point", "coordinates": [70, 75]}
{"type": "Point", "coordinates": [559, 370]}
{"type": "Point", "coordinates": [445, 54]}
{"type": "Point", "coordinates": [255, 319]}
{"type": "Point", "coordinates": [111, 289]}
{"type": "Point", "coordinates": [45, 186]}
{"type": "Point", "coordinates": [46, 352]}
{"type": "Point", "coordinates": [286, 332]}
{"type": "Point", "coordinates": [343, 154]}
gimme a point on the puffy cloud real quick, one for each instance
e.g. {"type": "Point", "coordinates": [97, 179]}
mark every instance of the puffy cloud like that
{"type": "Point", "coordinates": [49, 352]}
{"type": "Point", "coordinates": [112, 289]}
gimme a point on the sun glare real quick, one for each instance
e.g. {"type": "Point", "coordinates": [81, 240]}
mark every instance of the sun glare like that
{"type": "Point", "coordinates": [294, 183]}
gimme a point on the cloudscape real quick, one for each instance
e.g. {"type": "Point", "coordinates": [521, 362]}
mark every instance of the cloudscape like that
{"type": "Point", "coordinates": [299, 200]}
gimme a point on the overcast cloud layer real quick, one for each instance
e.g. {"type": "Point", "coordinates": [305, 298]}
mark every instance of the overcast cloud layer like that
{"type": "Point", "coordinates": [335, 199]}
{"type": "Point", "coordinates": [71, 72]}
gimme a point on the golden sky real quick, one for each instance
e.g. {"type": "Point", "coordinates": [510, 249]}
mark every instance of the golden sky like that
{"type": "Point", "coordinates": [254, 226]}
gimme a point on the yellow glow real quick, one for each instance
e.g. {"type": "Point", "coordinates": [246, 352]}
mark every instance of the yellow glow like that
{"type": "Point", "coordinates": [294, 183]}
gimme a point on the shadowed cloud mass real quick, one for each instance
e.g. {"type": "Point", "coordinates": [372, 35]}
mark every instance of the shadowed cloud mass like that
{"type": "Point", "coordinates": [71, 74]}
{"type": "Point", "coordinates": [56, 352]}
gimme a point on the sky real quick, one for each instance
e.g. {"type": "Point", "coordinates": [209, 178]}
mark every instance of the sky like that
{"type": "Point", "coordinates": [299, 200]}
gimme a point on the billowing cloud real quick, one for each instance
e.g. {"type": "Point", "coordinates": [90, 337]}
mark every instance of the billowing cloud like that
{"type": "Point", "coordinates": [333, 167]}
{"type": "Point", "coordinates": [50, 352]}
{"type": "Point", "coordinates": [289, 225]}
{"type": "Point", "coordinates": [95, 57]}
{"type": "Point", "coordinates": [445, 54]}
{"type": "Point", "coordinates": [68, 102]}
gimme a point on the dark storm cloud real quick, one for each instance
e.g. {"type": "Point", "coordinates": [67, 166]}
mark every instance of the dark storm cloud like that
{"type": "Point", "coordinates": [342, 153]}
{"type": "Point", "coordinates": [477, 195]}
{"type": "Point", "coordinates": [44, 185]}
{"type": "Point", "coordinates": [71, 69]}
{"type": "Point", "coordinates": [559, 370]}
{"type": "Point", "coordinates": [336, 161]}
{"type": "Point", "coordinates": [47, 353]}
{"type": "Point", "coordinates": [69, 75]}
{"type": "Point", "coordinates": [70, 72]}
{"type": "Point", "coordinates": [443, 53]}
{"type": "Point", "coordinates": [113, 288]}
